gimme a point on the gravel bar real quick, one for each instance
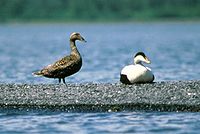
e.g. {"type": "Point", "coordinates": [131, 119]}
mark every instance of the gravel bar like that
{"type": "Point", "coordinates": [102, 97]}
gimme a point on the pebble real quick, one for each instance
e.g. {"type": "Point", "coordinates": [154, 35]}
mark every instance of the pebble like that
{"type": "Point", "coordinates": [159, 96]}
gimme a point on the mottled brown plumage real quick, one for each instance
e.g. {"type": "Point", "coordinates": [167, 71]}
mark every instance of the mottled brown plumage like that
{"type": "Point", "coordinates": [66, 66]}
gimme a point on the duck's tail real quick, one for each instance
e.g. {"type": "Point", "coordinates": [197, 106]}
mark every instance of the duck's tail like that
{"type": "Point", "coordinates": [124, 79]}
{"type": "Point", "coordinates": [37, 73]}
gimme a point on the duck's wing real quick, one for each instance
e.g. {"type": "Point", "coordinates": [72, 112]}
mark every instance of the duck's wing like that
{"type": "Point", "coordinates": [63, 63]}
{"type": "Point", "coordinates": [59, 66]}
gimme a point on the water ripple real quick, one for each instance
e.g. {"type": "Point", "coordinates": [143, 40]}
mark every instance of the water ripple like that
{"type": "Point", "coordinates": [173, 49]}
{"type": "Point", "coordinates": [131, 122]}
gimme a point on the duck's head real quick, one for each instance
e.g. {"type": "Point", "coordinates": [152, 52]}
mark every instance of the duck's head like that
{"type": "Point", "coordinates": [141, 57]}
{"type": "Point", "coordinates": [76, 36]}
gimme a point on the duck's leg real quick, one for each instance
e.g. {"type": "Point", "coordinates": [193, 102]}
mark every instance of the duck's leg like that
{"type": "Point", "coordinates": [59, 79]}
{"type": "Point", "coordinates": [64, 81]}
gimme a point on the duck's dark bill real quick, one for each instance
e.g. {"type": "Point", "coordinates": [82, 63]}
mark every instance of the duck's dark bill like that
{"type": "Point", "coordinates": [82, 39]}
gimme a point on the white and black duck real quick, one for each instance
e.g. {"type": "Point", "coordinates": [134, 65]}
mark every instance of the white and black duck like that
{"type": "Point", "coordinates": [67, 65]}
{"type": "Point", "coordinates": [137, 73]}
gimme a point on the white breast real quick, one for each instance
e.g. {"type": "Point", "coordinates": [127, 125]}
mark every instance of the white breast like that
{"type": "Point", "coordinates": [138, 73]}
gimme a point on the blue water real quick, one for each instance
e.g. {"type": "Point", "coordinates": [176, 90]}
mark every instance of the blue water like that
{"type": "Point", "coordinates": [173, 48]}
{"type": "Point", "coordinates": [90, 123]}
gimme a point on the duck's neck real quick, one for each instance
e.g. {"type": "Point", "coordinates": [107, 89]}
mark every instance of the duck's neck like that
{"type": "Point", "coordinates": [138, 62]}
{"type": "Point", "coordinates": [73, 47]}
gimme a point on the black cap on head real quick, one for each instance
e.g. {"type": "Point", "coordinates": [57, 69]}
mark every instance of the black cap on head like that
{"type": "Point", "coordinates": [140, 53]}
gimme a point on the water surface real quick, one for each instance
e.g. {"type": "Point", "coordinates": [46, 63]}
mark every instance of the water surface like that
{"type": "Point", "coordinates": [89, 123]}
{"type": "Point", "coordinates": [172, 47]}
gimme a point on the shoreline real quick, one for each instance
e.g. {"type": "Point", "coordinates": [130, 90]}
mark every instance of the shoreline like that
{"type": "Point", "coordinates": [171, 96]}
{"type": "Point", "coordinates": [167, 21]}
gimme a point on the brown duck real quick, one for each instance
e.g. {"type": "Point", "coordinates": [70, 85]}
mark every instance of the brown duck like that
{"type": "Point", "coordinates": [66, 66]}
